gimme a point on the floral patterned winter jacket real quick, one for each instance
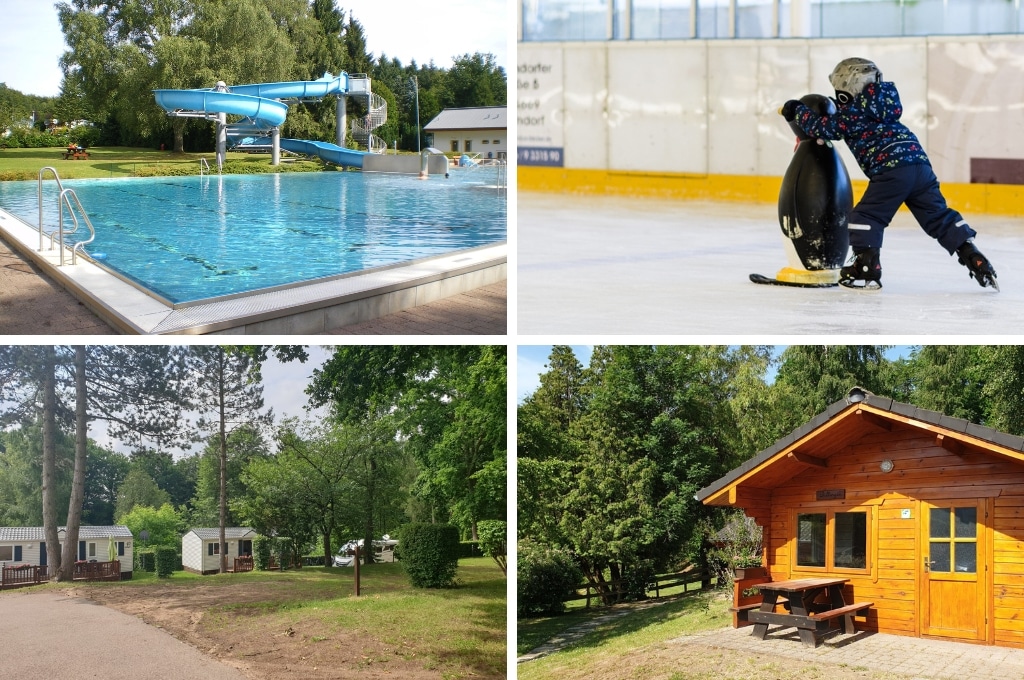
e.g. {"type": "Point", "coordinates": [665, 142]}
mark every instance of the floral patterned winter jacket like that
{"type": "Point", "coordinates": [870, 125]}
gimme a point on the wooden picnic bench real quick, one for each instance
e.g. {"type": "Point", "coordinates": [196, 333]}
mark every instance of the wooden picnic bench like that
{"type": "Point", "coordinates": [76, 155]}
{"type": "Point", "coordinates": [800, 598]}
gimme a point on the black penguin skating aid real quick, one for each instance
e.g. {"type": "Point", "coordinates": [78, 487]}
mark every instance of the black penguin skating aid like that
{"type": "Point", "coordinates": [814, 207]}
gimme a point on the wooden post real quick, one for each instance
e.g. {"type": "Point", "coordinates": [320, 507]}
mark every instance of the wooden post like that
{"type": "Point", "coordinates": [356, 563]}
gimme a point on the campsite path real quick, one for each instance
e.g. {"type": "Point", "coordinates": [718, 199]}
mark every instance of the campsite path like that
{"type": "Point", "coordinates": [48, 634]}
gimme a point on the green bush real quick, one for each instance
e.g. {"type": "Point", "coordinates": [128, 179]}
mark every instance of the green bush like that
{"type": "Point", "coordinates": [166, 560]}
{"type": "Point", "coordinates": [545, 577]}
{"type": "Point", "coordinates": [493, 540]}
{"type": "Point", "coordinates": [284, 551]}
{"type": "Point", "coordinates": [262, 546]}
{"type": "Point", "coordinates": [430, 554]}
{"type": "Point", "coordinates": [146, 560]}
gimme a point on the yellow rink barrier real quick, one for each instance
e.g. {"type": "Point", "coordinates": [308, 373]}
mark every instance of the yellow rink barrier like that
{"type": "Point", "coordinates": [993, 199]}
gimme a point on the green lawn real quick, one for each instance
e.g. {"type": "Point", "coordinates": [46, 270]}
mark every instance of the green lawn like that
{"type": "Point", "coordinates": [683, 616]}
{"type": "Point", "coordinates": [117, 161]}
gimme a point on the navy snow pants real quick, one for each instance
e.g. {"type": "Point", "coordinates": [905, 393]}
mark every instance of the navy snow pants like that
{"type": "Point", "coordinates": [917, 186]}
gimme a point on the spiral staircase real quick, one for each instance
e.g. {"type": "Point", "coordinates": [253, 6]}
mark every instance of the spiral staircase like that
{"type": "Point", "coordinates": [362, 128]}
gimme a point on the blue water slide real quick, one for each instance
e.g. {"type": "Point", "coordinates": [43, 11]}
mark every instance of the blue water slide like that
{"type": "Point", "coordinates": [332, 153]}
{"type": "Point", "coordinates": [259, 103]}
{"type": "Point", "coordinates": [266, 112]}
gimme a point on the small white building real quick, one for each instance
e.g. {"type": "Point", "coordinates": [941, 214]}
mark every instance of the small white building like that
{"type": "Point", "coordinates": [200, 548]}
{"type": "Point", "coordinates": [479, 130]}
{"type": "Point", "coordinates": [27, 545]}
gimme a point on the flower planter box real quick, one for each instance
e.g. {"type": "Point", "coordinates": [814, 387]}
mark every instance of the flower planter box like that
{"type": "Point", "coordinates": [742, 573]}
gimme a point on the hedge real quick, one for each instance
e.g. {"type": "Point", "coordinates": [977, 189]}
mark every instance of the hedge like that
{"type": "Point", "coordinates": [430, 554]}
{"type": "Point", "coordinates": [146, 560]}
{"type": "Point", "coordinates": [261, 549]}
{"type": "Point", "coordinates": [166, 560]}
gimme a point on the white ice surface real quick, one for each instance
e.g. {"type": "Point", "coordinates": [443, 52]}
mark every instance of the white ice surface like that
{"type": "Point", "coordinates": [609, 265]}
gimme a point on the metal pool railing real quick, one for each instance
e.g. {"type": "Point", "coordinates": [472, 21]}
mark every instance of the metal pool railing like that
{"type": "Point", "coordinates": [64, 199]}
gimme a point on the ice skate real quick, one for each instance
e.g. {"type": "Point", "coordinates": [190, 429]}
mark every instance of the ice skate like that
{"type": "Point", "coordinates": [978, 266]}
{"type": "Point", "coordinates": [864, 272]}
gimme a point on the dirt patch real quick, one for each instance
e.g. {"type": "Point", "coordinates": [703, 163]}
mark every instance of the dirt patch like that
{"type": "Point", "coordinates": [246, 626]}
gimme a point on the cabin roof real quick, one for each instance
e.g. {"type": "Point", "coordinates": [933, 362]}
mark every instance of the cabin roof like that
{"type": "Point", "coordinates": [8, 534]}
{"type": "Point", "coordinates": [844, 422]}
{"type": "Point", "coordinates": [213, 534]}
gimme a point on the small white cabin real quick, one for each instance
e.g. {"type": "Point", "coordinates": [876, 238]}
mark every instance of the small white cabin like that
{"type": "Point", "coordinates": [27, 545]}
{"type": "Point", "coordinates": [200, 548]}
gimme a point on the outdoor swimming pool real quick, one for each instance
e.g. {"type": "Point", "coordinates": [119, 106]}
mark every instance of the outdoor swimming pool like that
{"type": "Point", "coordinates": [192, 238]}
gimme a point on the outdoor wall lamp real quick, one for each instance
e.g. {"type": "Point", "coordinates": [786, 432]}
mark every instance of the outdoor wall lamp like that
{"type": "Point", "coordinates": [886, 465]}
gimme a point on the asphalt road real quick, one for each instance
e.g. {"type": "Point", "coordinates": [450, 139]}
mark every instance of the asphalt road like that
{"type": "Point", "coordinates": [49, 635]}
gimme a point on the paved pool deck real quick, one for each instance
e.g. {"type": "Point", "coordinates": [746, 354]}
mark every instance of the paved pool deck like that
{"type": "Point", "coordinates": [31, 303]}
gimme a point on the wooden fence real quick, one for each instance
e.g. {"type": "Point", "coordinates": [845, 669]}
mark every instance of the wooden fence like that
{"type": "Point", "coordinates": [656, 586]}
{"type": "Point", "coordinates": [21, 575]}
{"type": "Point", "coordinates": [30, 575]}
{"type": "Point", "coordinates": [243, 563]}
{"type": "Point", "coordinates": [97, 571]}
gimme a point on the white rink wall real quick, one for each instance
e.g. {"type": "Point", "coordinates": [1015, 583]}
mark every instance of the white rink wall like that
{"type": "Point", "coordinates": [709, 107]}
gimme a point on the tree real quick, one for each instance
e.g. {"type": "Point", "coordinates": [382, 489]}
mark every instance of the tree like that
{"type": "Point", "coordinates": [476, 80]}
{"type": "Point", "coordinates": [615, 481]}
{"type": "Point", "coordinates": [138, 489]}
{"type": "Point", "coordinates": [447, 402]}
{"type": "Point", "coordinates": [245, 444]}
{"type": "Point", "coordinates": [163, 524]}
{"type": "Point", "coordinates": [77, 498]}
{"type": "Point", "coordinates": [224, 386]}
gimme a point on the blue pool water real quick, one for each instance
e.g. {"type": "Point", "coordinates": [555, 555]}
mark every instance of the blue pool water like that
{"type": "Point", "coordinates": [191, 238]}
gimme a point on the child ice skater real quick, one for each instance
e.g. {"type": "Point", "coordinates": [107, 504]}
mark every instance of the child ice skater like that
{"type": "Point", "coordinates": [898, 170]}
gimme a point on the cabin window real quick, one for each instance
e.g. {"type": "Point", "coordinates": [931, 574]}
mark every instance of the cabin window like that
{"type": "Point", "coordinates": [832, 540]}
{"type": "Point", "coordinates": [953, 539]}
{"type": "Point", "coordinates": [810, 547]}
{"type": "Point", "coordinates": [6, 553]}
{"type": "Point", "coordinates": [850, 551]}
{"type": "Point", "coordinates": [92, 550]}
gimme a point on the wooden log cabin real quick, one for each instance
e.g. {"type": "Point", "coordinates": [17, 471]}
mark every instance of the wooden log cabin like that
{"type": "Point", "coordinates": [923, 513]}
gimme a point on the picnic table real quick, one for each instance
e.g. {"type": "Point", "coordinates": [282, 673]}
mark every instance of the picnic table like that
{"type": "Point", "coordinates": [76, 154]}
{"type": "Point", "coordinates": [810, 617]}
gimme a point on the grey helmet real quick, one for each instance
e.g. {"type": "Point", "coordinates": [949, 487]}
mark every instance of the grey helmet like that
{"type": "Point", "coordinates": [850, 76]}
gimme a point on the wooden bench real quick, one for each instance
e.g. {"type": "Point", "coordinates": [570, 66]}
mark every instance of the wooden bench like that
{"type": "Point", "coordinates": [847, 612]}
{"type": "Point", "coordinates": [742, 611]}
{"type": "Point", "coordinates": [76, 155]}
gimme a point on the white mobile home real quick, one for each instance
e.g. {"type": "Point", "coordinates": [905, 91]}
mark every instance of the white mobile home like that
{"type": "Point", "coordinates": [27, 545]}
{"type": "Point", "coordinates": [200, 548]}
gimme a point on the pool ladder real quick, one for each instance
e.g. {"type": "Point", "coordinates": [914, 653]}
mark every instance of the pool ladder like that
{"type": "Point", "coordinates": [68, 199]}
{"type": "Point", "coordinates": [203, 164]}
{"type": "Point", "coordinates": [502, 179]}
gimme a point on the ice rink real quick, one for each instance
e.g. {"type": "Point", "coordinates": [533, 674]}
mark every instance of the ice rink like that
{"type": "Point", "coordinates": [608, 265]}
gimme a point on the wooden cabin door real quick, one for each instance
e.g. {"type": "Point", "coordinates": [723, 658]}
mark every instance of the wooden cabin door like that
{"type": "Point", "coordinates": [954, 573]}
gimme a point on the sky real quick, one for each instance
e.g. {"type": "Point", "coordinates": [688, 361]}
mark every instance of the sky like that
{"type": "Point", "coordinates": [31, 43]}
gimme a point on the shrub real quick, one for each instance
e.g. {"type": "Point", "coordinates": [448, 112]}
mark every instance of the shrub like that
{"type": "Point", "coordinates": [146, 560]}
{"type": "Point", "coordinates": [261, 549]}
{"type": "Point", "coordinates": [430, 554]}
{"type": "Point", "coordinates": [545, 577]}
{"type": "Point", "coordinates": [166, 560]}
{"type": "Point", "coordinates": [493, 540]}
{"type": "Point", "coordinates": [284, 551]}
